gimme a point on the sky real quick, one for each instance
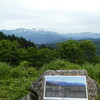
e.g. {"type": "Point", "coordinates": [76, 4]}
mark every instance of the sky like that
{"type": "Point", "coordinates": [62, 16]}
{"type": "Point", "coordinates": [72, 79]}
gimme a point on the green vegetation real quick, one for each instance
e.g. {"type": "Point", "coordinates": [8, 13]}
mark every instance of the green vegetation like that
{"type": "Point", "coordinates": [97, 44]}
{"type": "Point", "coordinates": [15, 82]}
{"type": "Point", "coordinates": [21, 64]}
{"type": "Point", "coordinates": [78, 52]}
{"type": "Point", "coordinates": [23, 42]}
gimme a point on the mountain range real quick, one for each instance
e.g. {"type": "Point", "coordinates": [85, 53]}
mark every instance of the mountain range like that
{"type": "Point", "coordinates": [40, 36]}
{"type": "Point", "coordinates": [61, 83]}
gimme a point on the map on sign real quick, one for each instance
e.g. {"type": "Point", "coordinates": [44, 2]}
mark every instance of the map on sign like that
{"type": "Point", "coordinates": [65, 88]}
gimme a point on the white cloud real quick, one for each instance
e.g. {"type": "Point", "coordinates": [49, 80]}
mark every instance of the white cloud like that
{"type": "Point", "coordinates": [58, 15]}
{"type": "Point", "coordinates": [67, 5]}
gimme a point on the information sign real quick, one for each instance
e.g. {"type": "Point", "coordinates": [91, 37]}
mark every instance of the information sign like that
{"type": "Point", "coordinates": [65, 88]}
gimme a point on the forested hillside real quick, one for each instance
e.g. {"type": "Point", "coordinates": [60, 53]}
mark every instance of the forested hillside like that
{"type": "Point", "coordinates": [21, 62]}
{"type": "Point", "coordinates": [95, 41]}
{"type": "Point", "coordinates": [14, 50]}
{"type": "Point", "coordinates": [97, 44]}
{"type": "Point", "coordinates": [23, 43]}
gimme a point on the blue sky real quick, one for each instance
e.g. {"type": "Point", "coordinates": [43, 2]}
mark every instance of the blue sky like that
{"type": "Point", "coordinates": [62, 16]}
{"type": "Point", "coordinates": [72, 79]}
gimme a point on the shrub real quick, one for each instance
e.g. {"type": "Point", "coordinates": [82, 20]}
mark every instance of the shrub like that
{"type": "Point", "coordinates": [5, 71]}
{"type": "Point", "coordinates": [23, 71]}
{"type": "Point", "coordinates": [24, 64]}
{"type": "Point", "coordinates": [32, 72]}
{"type": "Point", "coordinates": [93, 70]}
{"type": "Point", "coordinates": [59, 65]}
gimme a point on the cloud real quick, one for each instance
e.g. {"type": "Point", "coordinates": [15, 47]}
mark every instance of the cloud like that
{"type": "Point", "coordinates": [58, 15]}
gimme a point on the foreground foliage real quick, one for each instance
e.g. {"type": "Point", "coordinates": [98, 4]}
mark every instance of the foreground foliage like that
{"type": "Point", "coordinates": [15, 82]}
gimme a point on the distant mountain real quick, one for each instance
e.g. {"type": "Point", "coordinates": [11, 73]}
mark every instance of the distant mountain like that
{"type": "Point", "coordinates": [80, 36]}
{"type": "Point", "coordinates": [40, 36]}
{"type": "Point", "coordinates": [64, 83]}
{"type": "Point", "coordinates": [83, 35]}
{"type": "Point", "coordinates": [37, 36]}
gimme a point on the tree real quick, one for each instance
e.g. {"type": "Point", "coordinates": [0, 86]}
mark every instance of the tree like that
{"type": "Point", "coordinates": [23, 43]}
{"type": "Point", "coordinates": [9, 52]}
{"type": "Point", "coordinates": [46, 55]}
{"type": "Point", "coordinates": [2, 36]}
{"type": "Point", "coordinates": [88, 51]}
{"type": "Point", "coordinates": [37, 57]}
{"type": "Point", "coordinates": [70, 51]}
{"type": "Point", "coordinates": [78, 52]}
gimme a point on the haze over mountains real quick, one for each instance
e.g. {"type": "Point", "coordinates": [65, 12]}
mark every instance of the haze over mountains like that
{"type": "Point", "coordinates": [40, 36]}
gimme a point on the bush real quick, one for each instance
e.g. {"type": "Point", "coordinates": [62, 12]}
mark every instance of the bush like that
{"type": "Point", "coordinates": [98, 97]}
{"type": "Point", "coordinates": [23, 70]}
{"type": "Point", "coordinates": [5, 70]}
{"type": "Point", "coordinates": [93, 70]}
{"type": "Point", "coordinates": [17, 84]}
{"type": "Point", "coordinates": [25, 64]}
{"type": "Point", "coordinates": [59, 65]}
{"type": "Point", "coordinates": [32, 72]}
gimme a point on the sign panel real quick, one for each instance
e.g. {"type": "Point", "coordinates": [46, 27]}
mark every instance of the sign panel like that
{"type": "Point", "coordinates": [65, 88]}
